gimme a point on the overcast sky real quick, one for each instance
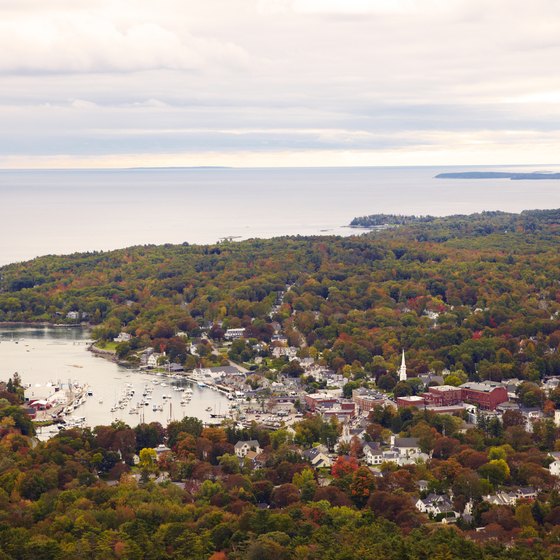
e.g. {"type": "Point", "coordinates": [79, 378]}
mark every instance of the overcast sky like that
{"type": "Point", "coordinates": [278, 82]}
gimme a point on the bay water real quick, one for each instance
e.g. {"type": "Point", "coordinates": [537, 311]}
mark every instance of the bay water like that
{"type": "Point", "coordinates": [60, 356]}
{"type": "Point", "coordinates": [65, 211]}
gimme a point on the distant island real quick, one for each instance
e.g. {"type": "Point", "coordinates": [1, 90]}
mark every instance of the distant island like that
{"type": "Point", "coordinates": [532, 176]}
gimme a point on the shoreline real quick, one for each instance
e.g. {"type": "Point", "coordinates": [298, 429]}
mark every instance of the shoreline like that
{"type": "Point", "coordinates": [109, 356]}
{"type": "Point", "coordinates": [44, 324]}
{"type": "Point", "coordinates": [106, 354]}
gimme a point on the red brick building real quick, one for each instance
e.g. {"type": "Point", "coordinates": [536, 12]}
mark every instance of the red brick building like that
{"type": "Point", "coordinates": [319, 399]}
{"type": "Point", "coordinates": [367, 400]}
{"type": "Point", "coordinates": [403, 402]}
{"type": "Point", "coordinates": [343, 409]}
{"type": "Point", "coordinates": [488, 394]}
{"type": "Point", "coordinates": [443, 395]}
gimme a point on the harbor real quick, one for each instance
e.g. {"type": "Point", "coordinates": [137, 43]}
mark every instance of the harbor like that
{"type": "Point", "coordinates": [83, 389]}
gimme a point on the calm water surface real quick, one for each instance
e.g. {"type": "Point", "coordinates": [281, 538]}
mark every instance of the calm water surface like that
{"type": "Point", "coordinates": [43, 355]}
{"type": "Point", "coordinates": [46, 212]}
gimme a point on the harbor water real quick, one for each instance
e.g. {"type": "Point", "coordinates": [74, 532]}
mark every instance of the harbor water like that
{"type": "Point", "coordinates": [59, 356]}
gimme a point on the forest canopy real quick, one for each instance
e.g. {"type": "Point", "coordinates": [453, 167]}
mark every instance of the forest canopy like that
{"type": "Point", "coordinates": [474, 294]}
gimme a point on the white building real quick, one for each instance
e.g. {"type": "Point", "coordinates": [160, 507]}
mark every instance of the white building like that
{"type": "Point", "coordinates": [123, 337]}
{"type": "Point", "coordinates": [153, 359]}
{"type": "Point", "coordinates": [290, 352]}
{"type": "Point", "coordinates": [318, 457]}
{"type": "Point", "coordinates": [232, 334]}
{"type": "Point", "coordinates": [375, 456]}
{"type": "Point", "coordinates": [402, 369]}
{"type": "Point", "coordinates": [554, 467]}
{"type": "Point", "coordinates": [243, 447]}
{"type": "Point", "coordinates": [406, 447]}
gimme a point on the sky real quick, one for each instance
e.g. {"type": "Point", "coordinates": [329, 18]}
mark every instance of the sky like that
{"type": "Point", "coordinates": [128, 83]}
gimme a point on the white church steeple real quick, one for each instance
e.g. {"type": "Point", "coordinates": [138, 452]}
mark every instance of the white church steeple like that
{"type": "Point", "coordinates": [402, 369]}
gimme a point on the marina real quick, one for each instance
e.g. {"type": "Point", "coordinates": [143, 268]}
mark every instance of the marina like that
{"type": "Point", "coordinates": [87, 390]}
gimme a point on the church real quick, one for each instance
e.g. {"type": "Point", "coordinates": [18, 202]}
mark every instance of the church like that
{"type": "Point", "coordinates": [402, 369]}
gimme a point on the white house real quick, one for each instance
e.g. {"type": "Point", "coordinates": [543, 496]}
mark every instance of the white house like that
{"type": "Point", "coordinates": [279, 351]}
{"type": "Point", "coordinates": [232, 334]}
{"type": "Point", "coordinates": [406, 447]}
{"type": "Point", "coordinates": [243, 447]}
{"type": "Point", "coordinates": [375, 456]}
{"type": "Point", "coordinates": [435, 504]}
{"type": "Point", "coordinates": [153, 359]}
{"type": "Point", "coordinates": [372, 454]}
{"type": "Point", "coordinates": [123, 337]}
{"type": "Point", "coordinates": [554, 467]}
{"type": "Point", "coordinates": [429, 503]}
{"type": "Point", "coordinates": [501, 499]}
{"type": "Point", "coordinates": [317, 457]}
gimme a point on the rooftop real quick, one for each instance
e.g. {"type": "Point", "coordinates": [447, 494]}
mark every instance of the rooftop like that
{"type": "Point", "coordinates": [445, 388]}
{"type": "Point", "coordinates": [406, 442]}
{"type": "Point", "coordinates": [484, 387]}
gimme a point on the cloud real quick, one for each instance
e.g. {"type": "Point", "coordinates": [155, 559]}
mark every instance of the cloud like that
{"type": "Point", "coordinates": [76, 44]}
{"type": "Point", "coordinates": [353, 6]}
{"type": "Point", "coordinates": [82, 104]}
{"type": "Point", "coordinates": [406, 77]}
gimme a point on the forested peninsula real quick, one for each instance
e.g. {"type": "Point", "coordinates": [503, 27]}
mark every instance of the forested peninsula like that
{"type": "Point", "coordinates": [474, 301]}
{"type": "Point", "coordinates": [492, 278]}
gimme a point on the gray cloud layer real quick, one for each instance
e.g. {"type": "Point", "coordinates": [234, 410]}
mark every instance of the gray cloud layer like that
{"type": "Point", "coordinates": [269, 81]}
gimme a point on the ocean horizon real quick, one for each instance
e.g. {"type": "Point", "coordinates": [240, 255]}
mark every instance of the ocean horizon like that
{"type": "Point", "coordinates": [60, 211]}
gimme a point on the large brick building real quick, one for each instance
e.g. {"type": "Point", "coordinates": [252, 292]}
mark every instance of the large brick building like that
{"type": "Point", "coordinates": [319, 399]}
{"type": "Point", "coordinates": [443, 395]}
{"type": "Point", "coordinates": [488, 394]}
{"type": "Point", "coordinates": [367, 400]}
{"type": "Point", "coordinates": [413, 400]}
